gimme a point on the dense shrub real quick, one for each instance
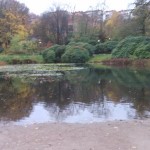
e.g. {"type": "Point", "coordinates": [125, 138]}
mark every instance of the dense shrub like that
{"type": "Point", "coordinates": [99, 48]}
{"type": "Point", "coordinates": [49, 56]}
{"type": "Point", "coordinates": [54, 53]}
{"type": "Point", "coordinates": [22, 46]}
{"type": "Point", "coordinates": [29, 46]}
{"type": "Point", "coordinates": [59, 51]}
{"type": "Point", "coordinates": [106, 47]}
{"type": "Point", "coordinates": [87, 46]}
{"type": "Point", "coordinates": [92, 39]}
{"type": "Point", "coordinates": [143, 51]}
{"type": "Point", "coordinates": [75, 54]}
{"type": "Point", "coordinates": [90, 48]}
{"type": "Point", "coordinates": [132, 47]}
{"type": "Point", "coordinates": [81, 39]}
{"type": "Point", "coordinates": [92, 42]}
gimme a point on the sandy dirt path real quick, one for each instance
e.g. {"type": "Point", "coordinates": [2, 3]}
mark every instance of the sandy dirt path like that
{"type": "Point", "coordinates": [122, 135]}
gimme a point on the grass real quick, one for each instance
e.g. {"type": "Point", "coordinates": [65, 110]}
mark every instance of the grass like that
{"type": "Point", "coordinates": [98, 61]}
{"type": "Point", "coordinates": [6, 58]}
{"type": "Point", "coordinates": [99, 58]}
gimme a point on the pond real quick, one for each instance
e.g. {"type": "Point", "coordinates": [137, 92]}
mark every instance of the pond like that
{"type": "Point", "coordinates": [72, 94]}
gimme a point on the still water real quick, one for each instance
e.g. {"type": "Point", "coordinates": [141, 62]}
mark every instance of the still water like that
{"type": "Point", "coordinates": [66, 93]}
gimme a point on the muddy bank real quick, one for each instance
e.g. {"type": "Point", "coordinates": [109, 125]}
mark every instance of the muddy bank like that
{"type": "Point", "coordinates": [121, 135]}
{"type": "Point", "coordinates": [2, 63]}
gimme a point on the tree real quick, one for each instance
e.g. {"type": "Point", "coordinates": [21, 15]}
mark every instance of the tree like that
{"type": "Point", "coordinates": [141, 15]}
{"type": "Point", "coordinates": [81, 23]}
{"type": "Point", "coordinates": [13, 20]}
{"type": "Point", "coordinates": [89, 25]}
{"type": "Point", "coordinates": [113, 25]}
{"type": "Point", "coordinates": [120, 25]}
{"type": "Point", "coordinates": [53, 26]}
{"type": "Point", "coordinates": [102, 7]}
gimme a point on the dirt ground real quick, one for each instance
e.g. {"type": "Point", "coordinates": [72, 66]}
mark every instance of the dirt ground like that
{"type": "Point", "coordinates": [120, 135]}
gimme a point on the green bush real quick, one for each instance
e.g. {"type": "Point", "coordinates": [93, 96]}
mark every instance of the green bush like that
{"type": "Point", "coordinates": [83, 39]}
{"type": "Point", "coordinates": [92, 42]}
{"type": "Point", "coordinates": [29, 46]}
{"type": "Point", "coordinates": [87, 46]}
{"type": "Point", "coordinates": [75, 54]}
{"type": "Point", "coordinates": [132, 47]}
{"type": "Point", "coordinates": [91, 39]}
{"type": "Point", "coordinates": [107, 47]}
{"type": "Point", "coordinates": [54, 53]}
{"type": "Point", "coordinates": [59, 51]}
{"type": "Point", "coordinates": [143, 51]}
{"type": "Point", "coordinates": [22, 46]}
{"type": "Point", "coordinates": [49, 56]}
{"type": "Point", "coordinates": [90, 48]}
{"type": "Point", "coordinates": [99, 48]}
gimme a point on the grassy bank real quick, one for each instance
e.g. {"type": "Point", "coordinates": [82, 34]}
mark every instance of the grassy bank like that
{"type": "Point", "coordinates": [107, 60]}
{"type": "Point", "coordinates": [19, 59]}
{"type": "Point", "coordinates": [100, 58]}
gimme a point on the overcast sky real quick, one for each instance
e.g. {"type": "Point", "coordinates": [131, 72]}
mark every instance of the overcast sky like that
{"type": "Point", "coordinates": [39, 6]}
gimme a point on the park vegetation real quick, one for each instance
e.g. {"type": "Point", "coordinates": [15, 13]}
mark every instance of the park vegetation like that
{"type": "Point", "coordinates": [61, 36]}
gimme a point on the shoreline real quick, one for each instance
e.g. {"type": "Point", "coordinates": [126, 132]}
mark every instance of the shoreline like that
{"type": "Point", "coordinates": [112, 135]}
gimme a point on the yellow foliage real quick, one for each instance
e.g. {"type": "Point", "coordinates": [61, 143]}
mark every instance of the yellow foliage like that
{"type": "Point", "coordinates": [114, 19]}
{"type": "Point", "coordinates": [22, 32]}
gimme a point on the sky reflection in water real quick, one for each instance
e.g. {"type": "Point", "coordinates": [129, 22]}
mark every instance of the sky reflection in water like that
{"type": "Point", "coordinates": [75, 96]}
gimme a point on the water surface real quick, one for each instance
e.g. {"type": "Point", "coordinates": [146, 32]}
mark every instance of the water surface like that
{"type": "Point", "coordinates": [66, 93]}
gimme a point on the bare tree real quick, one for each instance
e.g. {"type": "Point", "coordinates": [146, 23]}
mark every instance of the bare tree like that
{"type": "Point", "coordinates": [54, 25]}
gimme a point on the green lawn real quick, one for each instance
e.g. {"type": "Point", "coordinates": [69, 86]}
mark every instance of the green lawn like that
{"type": "Point", "coordinates": [9, 58]}
{"type": "Point", "coordinates": [99, 58]}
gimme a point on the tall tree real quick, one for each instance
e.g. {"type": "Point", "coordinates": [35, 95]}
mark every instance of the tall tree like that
{"type": "Point", "coordinates": [113, 24]}
{"type": "Point", "coordinates": [13, 20]}
{"type": "Point", "coordinates": [119, 25]}
{"type": "Point", "coordinates": [141, 15]}
{"type": "Point", "coordinates": [53, 26]}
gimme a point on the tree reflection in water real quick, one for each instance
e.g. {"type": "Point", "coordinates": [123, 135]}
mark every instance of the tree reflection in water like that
{"type": "Point", "coordinates": [88, 95]}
